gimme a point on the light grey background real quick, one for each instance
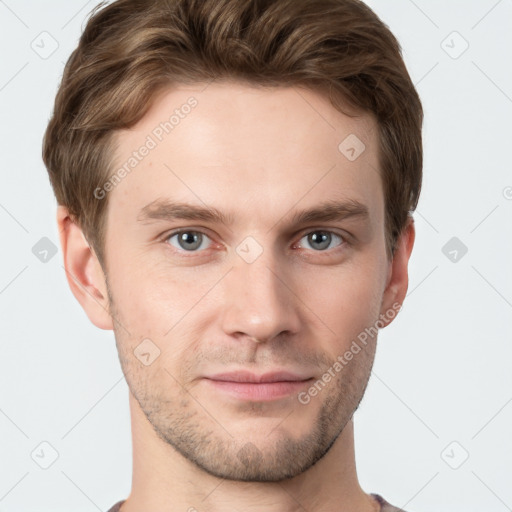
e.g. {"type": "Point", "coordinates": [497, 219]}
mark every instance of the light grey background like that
{"type": "Point", "coordinates": [441, 389]}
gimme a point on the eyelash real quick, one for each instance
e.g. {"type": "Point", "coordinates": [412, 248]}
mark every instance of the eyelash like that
{"type": "Point", "coordinates": [341, 246]}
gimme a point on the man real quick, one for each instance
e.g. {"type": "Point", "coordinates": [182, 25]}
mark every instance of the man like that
{"type": "Point", "coordinates": [199, 150]}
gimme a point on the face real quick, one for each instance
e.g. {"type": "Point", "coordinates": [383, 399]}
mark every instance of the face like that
{"type": "Point", "coordinates": [217, 275]}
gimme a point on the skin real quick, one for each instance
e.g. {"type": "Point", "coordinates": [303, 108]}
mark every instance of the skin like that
{"type": "Point", "coordinates": [259, 155]}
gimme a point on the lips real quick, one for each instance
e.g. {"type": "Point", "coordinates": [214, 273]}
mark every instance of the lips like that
{"type": "Point", "coordinates": [244, 376]}
{"type": "Point", "coordinates": [243, 385]}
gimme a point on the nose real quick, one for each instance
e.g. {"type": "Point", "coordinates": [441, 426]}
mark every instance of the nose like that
{"type": "Point", "coordinates": [259, 299]}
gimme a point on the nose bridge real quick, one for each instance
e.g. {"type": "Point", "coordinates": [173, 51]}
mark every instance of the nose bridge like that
{"type": "Point", "coordinates": [258, 301]}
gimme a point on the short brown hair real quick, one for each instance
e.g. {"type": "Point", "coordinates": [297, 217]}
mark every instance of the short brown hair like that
{"type": "Point", "coordinates": [130, 50]}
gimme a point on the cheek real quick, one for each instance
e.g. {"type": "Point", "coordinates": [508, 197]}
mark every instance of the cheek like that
{"type": "Point", "coordinates": [152, 296]}
{"type": "Point", "coordinates": [144, 298]}
{"type": "Point", "coordinates": [346, 299]}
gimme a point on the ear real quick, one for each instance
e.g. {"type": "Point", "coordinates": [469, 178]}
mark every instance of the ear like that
{"type": "Point", "coordinates": [83, 271]}
{"type": "Point", "coordinates": [397, 280]}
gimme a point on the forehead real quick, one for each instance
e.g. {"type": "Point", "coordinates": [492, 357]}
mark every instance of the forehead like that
{"type": "Point", "coordinates": [251, 150]}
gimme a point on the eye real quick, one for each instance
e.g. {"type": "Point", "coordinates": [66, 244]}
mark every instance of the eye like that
{"type": "Point", "coordinates": [321, 240]}
{"type": "Point", "coordinates": [188, 240]}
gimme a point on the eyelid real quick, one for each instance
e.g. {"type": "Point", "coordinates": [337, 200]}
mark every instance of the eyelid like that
{"type": "Point", "coordinates": [185, 229]}
{"type": "Point", "coordinates": [165, 237]}
{"type": "Point", "coordinates": [345, 239]}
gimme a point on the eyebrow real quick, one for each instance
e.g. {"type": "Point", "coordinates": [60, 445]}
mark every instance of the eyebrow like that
{"type": "Point", "coordinates": [331, 210]}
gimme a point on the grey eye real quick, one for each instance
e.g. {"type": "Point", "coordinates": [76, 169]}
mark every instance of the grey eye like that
{"type": "Point", "coordinates": [188, 240]}
{"type": "Point", "coordinates": [321, 240]}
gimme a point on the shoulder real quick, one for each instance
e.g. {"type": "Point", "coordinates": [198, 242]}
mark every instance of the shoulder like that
{"type": "Point", "coordinates": [116, 507]}
{"type": "Point", "coordinates": [384, 505]}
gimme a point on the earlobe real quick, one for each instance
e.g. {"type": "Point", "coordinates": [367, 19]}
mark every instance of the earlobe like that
{"type": "Point", "coordinates": [397, 280]}
{"type": "Point", "coordinates": [83, 271]}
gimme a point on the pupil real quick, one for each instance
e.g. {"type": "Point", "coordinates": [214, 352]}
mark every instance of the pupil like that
{"type": "Point", "coordinates": [321, 239]}
{"type": "Point", "coordinates": [190, 239]}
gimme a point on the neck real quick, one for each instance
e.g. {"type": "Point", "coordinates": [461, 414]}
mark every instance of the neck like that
{"type": "Point", "coordinates": [164, 480]}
